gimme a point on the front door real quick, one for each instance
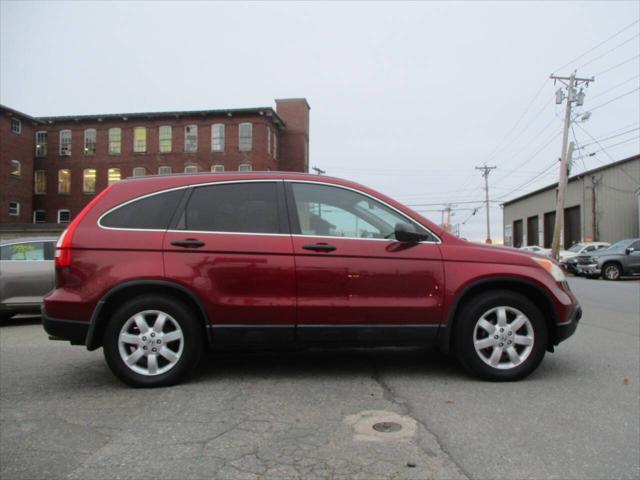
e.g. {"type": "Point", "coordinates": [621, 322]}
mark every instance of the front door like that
{"type": "Point", "coordinates": [233, 249]}
{"type": "Point", "coordinates": [355, 281]}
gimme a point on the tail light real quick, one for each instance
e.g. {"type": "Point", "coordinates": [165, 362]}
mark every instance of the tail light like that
{"type": "Point", "coordinates": [63, 247]}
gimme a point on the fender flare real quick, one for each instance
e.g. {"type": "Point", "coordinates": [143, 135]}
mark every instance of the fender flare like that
{"type": "Point", "coordinates": [92, 340]}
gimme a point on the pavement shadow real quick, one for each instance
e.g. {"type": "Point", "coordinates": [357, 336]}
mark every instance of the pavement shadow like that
{"type": "Point", "coordinates": [334, 363]}
{"type": "Point", "coordinates": [18, 320]}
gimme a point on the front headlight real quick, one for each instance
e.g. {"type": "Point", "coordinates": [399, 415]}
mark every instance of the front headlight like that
{"type": "Point", "coordinates": [554, 270]}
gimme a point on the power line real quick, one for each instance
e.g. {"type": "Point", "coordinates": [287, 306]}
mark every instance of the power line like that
{"type": "Point", "coordinates": [607, 153]}
{"type": "Point", "coordinates": [614, 99]}
{"type": "Point", "coordinates": [616, 66]}
{"type": "Point", "coordinates": [598, 45]}
{"type": "Point", "coordinates": [608, 51]}
{"type": "Point", "coordinates": [543, 172]}
{"type": "Point", "coordinates": [604, 139]}
{"type": "Point", "coordinates": [613, 145]}
{"type": "Point", "coordinates": [614, 87]}
{"type": "Point", "coordinates": [513, 128]}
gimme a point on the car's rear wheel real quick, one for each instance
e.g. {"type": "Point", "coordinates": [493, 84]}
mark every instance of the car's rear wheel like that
{"type": "Point", "coordinates": [152, 341]}
{"type": "Point", "coordinates": [500, 336]}
{"type": "Point", "coordinates": [611, 271]}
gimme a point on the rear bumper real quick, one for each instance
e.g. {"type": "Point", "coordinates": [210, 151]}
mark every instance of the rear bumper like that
{"type": "Point", "coordinates": [72, 330]}
{"type": "Point", "coordinates": [566, 329]}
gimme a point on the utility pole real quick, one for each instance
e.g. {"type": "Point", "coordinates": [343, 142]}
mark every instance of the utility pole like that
{"type": "Point", "coordinates": [572, 96]}
{"type": "Point", "coordinates": [485, 173]}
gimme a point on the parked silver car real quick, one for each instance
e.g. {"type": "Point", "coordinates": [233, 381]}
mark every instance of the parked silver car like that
{"type": "Point", "coordinates": [26, 274]}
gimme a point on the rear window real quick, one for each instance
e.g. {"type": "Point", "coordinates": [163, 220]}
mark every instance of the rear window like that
{"type": "Point", "coordinates": [237, 208]}
{"type": "Point", "coordinates": [149, 213]}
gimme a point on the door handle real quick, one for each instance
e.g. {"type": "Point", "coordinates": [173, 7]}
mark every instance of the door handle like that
{"type": "Point", "coordinates": [188, 243]}
{"type": "Point", "coordinates": [320, 247]}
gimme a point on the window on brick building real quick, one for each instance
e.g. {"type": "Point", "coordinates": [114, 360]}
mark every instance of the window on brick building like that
{"type": "Point", "coordinates": [217, 168]}
{"type": "Point", "coordinates": [64, 216]}
{"type": "Point", "coordinates": [16, 125]}
{"type": "Point", "coordinates": [245, 135]}
{"type": "Point", "coordinates": [41, 144]}
{"type": "Point", "coordinates": [90, 141]}
{"type": "Point", "coordinates": [39, 182]}
{"type": "Point", "coordinates": [140, 139]}
{"type": "Point", "coordinates": [65, 143]}
{"type": "Point", "coordinates": [113, 175]}
{"type": "Point", "coordinates": [64, 181]}
{"type": "Point", "coordinates": [191, 169]}
{"type": "Point", "coordinates": [115, 141]}
{"type": "Point", "coordinates": [14, 209]}
{"type": "Point", "coordinates": [275, 145]}
{"type": "Point", "coordinates": [39, 216]}
{"type": "Point", "coordinates": [217, 137]}
{"type": "Point", "coordinates": [164, 170]}
{"type": "Point", "coordinates": [191, 138]}
{"type": "Point", "coordinates": [139, 172]}
{"type": "Point", "coordinates": [164, 134]}
{"type": "Point", "coordinates": [89, 180]}
{"type": "Point", "coordinates": [16, 168]}
{"type": "Point", "coordinates": [244, 167]}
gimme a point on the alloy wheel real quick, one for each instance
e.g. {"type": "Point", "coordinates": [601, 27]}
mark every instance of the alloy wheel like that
{"type": "Point", "coordinates": [503, 337]}
{"type": "Point", "coordinates": [611, 272]}
{"type": "Point", "coordinates": [151, 342]}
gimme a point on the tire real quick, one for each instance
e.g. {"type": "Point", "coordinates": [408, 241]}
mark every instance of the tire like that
{"type": "Point", "coordinates": [529, 336]}
{"type": "Point", "coordinates": [176, 345]}
{"type": "Point", "coordinates": [611, 271]}
{"type": "Point", "coordinates": [5, 316]}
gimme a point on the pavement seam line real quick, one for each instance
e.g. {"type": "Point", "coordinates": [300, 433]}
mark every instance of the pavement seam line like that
{"type": "Point", "coordinates": [407, 409]}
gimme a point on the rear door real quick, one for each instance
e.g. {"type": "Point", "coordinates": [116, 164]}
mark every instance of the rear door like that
{"type": "Point", "coordinates": [231, 246]}
{"type": "Point", "coordinates": [355, 281]}
{"type": "Point", "coordinates": [633, 259]}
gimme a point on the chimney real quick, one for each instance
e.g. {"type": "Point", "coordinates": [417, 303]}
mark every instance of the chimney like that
{"type": "Point", "coordinates": [293, 148]}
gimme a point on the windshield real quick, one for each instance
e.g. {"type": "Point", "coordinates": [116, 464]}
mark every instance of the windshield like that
{"type": "Point", "coordinates": [617, 247]}
{"type": "Point", "coordinates": [577, 247]}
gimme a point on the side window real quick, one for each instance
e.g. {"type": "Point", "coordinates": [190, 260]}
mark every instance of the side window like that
{"type": "Point", "coordinates": [238, 208]}
{"type": "Point", "coordinates": [636, 246]}
{"type": "Point", "coordinates": [325, 210]}
{"type": "Point", "coordinates": [149, 213]}
{"type": "Point", "coordinates": [590, 248]}
{"type": "Point", "coordinates": [23, 251]}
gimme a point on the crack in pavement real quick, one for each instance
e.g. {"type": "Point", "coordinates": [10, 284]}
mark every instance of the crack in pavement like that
{"type": "Point", "coordinates": [407, 408]}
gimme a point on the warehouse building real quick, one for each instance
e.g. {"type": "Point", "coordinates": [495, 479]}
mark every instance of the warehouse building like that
{"type": "Point", "coordinates": [51, 167]}
{"type": "Point", "coordinates": [602, 204]}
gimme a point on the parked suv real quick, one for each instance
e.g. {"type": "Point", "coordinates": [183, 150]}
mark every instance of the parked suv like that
{"type": "Point", "coordinates": [155, 269]}
{"type": "Point", "coordinates": [621, 258]}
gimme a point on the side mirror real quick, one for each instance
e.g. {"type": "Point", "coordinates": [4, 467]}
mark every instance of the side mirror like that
{"type": "Point", "coordinates": [629, 250]}
{"type": "Point", "coordinates": [406, 232]}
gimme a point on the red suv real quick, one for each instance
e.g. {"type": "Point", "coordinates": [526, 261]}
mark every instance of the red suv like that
{"type": "Point", "coordinates": [156, 269]}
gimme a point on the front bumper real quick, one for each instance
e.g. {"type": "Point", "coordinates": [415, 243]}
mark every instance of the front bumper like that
{"type": "Point", "coordinates": [591, 269]}
{"type": "Point", "coordinates": [72, 330]}
{"type": "Point", "coordinates": [566, 329]}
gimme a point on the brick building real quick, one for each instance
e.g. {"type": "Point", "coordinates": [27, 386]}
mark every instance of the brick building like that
{"type": "Point", "coordinates": [51, 167]}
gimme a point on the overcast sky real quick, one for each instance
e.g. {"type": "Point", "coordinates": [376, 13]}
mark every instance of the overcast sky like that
{"type": "Point", "coordinates": [405, 97]}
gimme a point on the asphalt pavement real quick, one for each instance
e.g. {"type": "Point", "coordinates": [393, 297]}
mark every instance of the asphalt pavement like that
{"type": "Point", "coordinates": [278, 415]}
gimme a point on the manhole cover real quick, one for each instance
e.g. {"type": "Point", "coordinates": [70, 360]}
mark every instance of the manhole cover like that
{"type": "Point", "coordinates": [387, 427]}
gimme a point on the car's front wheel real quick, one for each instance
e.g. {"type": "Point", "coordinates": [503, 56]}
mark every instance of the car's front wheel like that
{"type": "Point", "coordinates": [611, 271]}
{"type": "Point", "coordinates": [500, 336]}
{"type": "Point", "coordinates": [152, 341]}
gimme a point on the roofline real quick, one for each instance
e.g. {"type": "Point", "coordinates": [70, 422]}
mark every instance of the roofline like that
{"type": "Point", "coordinates": [299, 99]}
{"type": "Point", "coordinates": [573, 178]}
{"type": "Point", "coordinates": [17, 113]}
{"type": "Point", "coordinates": [268, 111]}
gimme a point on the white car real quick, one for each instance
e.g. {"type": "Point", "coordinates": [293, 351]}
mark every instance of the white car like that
{"type": "Point", "coordinates": [537, 249]}
{"type": "Point", "coordinates": [582, 247]}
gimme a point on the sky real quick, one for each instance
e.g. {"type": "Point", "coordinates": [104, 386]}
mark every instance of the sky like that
{"type": "Point", "coordinates": [407, 98]}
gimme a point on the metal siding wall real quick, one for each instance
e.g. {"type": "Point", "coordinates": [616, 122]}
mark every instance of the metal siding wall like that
{"type": "Point", "coordinates": [617, 204]}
